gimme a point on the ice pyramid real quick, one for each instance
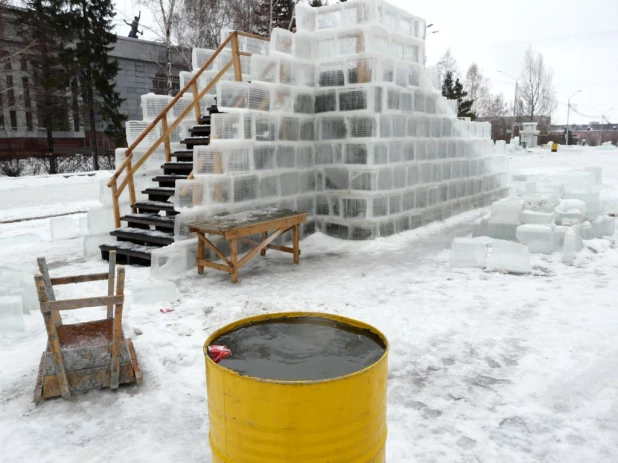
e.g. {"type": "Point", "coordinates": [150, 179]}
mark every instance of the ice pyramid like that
{"type": "Point", "coordinates": [341, 120]}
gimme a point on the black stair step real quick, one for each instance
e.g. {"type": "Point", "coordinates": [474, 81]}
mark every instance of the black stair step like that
{"type": "Point", "coordinates": [204, 119]}
{"type": "Point", "coordinates": [213, 110]}
{"type": "Point", "coordinates": [127, 252]}
{"type": "Point", "coordinates": [168, 180]}
{"type": "Point", "coordinates": [144, 237]}
{"type": "Point", "coordinates": [200, 130]}
{"type": "Point", "coordinates": [175, 167]}
{"type": "Point", "coordinates": [159, 194]}
{"type": "Point", "coordinates": [195, 141]}
{"type": "Point", "coordinates": [154, 206]}
{"type": "Point", "coordinates": [183, 155]}
{"type": "Point", "coordinates": [159, 221]}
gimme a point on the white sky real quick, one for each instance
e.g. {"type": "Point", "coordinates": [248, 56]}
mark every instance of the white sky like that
{"type": "Point", "coordinates": [578, 39]}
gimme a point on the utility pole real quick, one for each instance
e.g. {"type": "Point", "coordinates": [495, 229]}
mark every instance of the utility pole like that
{"type": "Point", "coordinates": [514, 99]}
{"type": "Point", "coordinates": [603, 118]}
{"type": "Point", "coordinates": [568, 114]}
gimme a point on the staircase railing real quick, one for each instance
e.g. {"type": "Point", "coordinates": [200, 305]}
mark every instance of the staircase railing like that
{"type": "Point", "coordinates": [167, 127]}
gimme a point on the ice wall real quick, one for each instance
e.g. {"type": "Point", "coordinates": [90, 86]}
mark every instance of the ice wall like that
{"type": "Point", "coordinates": [342, 121]}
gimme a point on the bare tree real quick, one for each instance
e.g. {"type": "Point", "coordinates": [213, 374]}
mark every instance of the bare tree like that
{"type": "Point", "coordinates": [536, 96]}
{"type": "Point", "coordinates": [447, 63]}
{"type": "Point", "coordinates": [472, 84]}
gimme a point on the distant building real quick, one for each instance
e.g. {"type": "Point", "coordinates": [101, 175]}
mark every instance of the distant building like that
{"type": "Point", "coordinates": [141, 71]}
{"type": "Point", "coordinates": [502, 128]}
{"type": "Point", "coordinates": [592, 134]}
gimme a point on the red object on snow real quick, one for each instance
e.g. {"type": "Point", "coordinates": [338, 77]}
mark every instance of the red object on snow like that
{"type": "Point", "coordinates": [166, 310]}
{"type": "Point", "coordinates": [218, 353]}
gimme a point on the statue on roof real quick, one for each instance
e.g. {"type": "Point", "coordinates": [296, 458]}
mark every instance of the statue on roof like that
{"type": "Point", "coordinates": [134, 25]}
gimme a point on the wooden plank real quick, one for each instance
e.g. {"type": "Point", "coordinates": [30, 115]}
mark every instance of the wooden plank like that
{"type": "Point", "coordinates": [117, 336]}
{"type": "Point", "coordinates": [136, 370]}
{"type": "Point", "coordinates": [264, 226]}
{"type": "Point", "coordinates": [54, 342]}
{"type": "Point", "coordinates": [78, 279]}
{"type": "Point", "coordinates": [115, 203]}
{"type": "Point", "coordinates": [295, 244]}
{"type": "Point", "coordinates": [132, 197]}
{"type": "Point", "coordinates": [253, 36]}
{"type": "Point", "coordinates": [72, 304]}
{"type": "Point", "coordinates": [264, 236]}
{"type": "Point", "coordinates": [49, 288]}
{"type": "Point", "coordinates": [216, 250]}
{"type": "Point", "coordinates": [198, 109]}
{"type": "Point", "coordinates": [201, 252]}
{"type": "Point", "coordinates": [236, 57]}
{"type": "Point", "coordinates": [257, 249]}
{"type": "Point", "coordinates": [86, 380]}
{"type": "Point", "coordinates": [111, 281]}
{"type": "Point", "coordinates": [166, 142]}
{"type": "Point", "coordinates": [214, 265]}
{"type": "Point", "coordinates": [234, 260]}
{"type": "Point", "coordinates": [38, 387]}
{"type": "Point", "coordinates": [275, 247]}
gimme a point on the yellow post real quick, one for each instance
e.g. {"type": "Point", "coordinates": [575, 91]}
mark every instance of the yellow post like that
{"type": "Point", "coordinates": [266, 421]}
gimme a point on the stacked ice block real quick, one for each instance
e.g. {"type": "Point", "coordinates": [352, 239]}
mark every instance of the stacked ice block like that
{"type": "Point", "coordinates": [342, 121]}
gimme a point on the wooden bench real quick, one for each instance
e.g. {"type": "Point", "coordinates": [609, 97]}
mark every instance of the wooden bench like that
{"type": "Point", "coordinates": [240, 226]}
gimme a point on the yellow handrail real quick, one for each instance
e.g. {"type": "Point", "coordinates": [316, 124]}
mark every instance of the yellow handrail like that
{"type": "Point", "coordinates": [169, 128]}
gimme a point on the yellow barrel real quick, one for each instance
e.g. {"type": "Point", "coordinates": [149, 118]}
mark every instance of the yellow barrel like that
{"type": "Point", "coordinates": [554, 147]}
{"type": "Point", "coordinates": [335, 420]}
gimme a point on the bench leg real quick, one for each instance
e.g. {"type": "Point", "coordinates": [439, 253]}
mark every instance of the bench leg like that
{"type": "Point", "coordinates": [201, 253]}
{"type": "Point", "coordinates": [264, 236]}
{"type": "Point", "coordinates": [296, 245]}
{"type": "Point", "coordinates": [234, 259]}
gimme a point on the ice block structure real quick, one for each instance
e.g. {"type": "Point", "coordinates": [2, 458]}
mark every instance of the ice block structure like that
{"type": "Point", "coordinates": [342, 121]}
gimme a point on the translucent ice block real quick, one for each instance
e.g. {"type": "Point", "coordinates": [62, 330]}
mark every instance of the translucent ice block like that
{"type": "Point", "coordinates": [510, 257]}
{"type": "Point", "coordinates": [160, 293]}
{"type": "Point", "coordinates": [538, 238]}
{"type": "Point", "coordinates": [11, 314]}
{"type": "Point", "coordinates": [468, 253]}
{"type": "Point", "coordinates": [568, 252]}
{"type": "Point", "coordinates": [64, 227]}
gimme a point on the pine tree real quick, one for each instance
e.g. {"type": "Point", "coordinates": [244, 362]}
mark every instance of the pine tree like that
{"type": "Point", "coordinates": [274, 13]}
{"type": "Point", "coordinates": [455, 91]}
{"type": "Point", "coordinates": [41, 24]}
{"type": "Point", "coordinates": [90, 22]}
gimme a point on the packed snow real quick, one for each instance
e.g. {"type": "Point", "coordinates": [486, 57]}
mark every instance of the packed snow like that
{"type": "Point", "coordinates": [483, 366]}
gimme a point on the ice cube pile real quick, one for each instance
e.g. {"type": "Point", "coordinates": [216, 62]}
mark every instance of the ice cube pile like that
{"type": "Point", "coordinates": [545, 214]}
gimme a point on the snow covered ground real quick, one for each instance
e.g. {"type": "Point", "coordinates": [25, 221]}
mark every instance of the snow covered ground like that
{"type": "Point", "coordinates": [483, 366]}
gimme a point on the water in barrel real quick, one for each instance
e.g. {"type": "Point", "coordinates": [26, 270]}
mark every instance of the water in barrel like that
{"type": "Point", "coordinates": [300, 349]}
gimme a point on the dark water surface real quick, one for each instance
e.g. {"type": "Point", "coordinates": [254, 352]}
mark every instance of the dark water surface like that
{"type": "Point", "coordinates": [302, 348]}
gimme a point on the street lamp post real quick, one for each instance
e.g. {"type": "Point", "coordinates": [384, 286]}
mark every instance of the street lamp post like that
{"type": "Point", "coordinates": [568, 114]}
{"type": "Point", "coordinates": [514, 99]}
{"type": "Point", "coordinates": [429, 33]}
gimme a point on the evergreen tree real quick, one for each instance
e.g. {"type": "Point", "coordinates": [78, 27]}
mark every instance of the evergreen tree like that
{"type": "Point", "coordinates": [274, 13]}
{"type": "Point", "coordinates": [90, 24]}
{"type": "Point", "coordinates": [41, 23]}
{"type": "Point", "coordinates": [455, 91]}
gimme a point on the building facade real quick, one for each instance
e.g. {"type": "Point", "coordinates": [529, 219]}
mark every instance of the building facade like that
{"type": "Point", "coordinates": [141, 71]}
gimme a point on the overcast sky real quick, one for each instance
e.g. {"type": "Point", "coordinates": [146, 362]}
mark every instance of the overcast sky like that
{"type": "Point", "coordinates": [578, 39]}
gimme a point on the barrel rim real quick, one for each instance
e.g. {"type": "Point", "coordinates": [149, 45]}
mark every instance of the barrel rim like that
{"type": "Point", "coordinates": [273, 316]}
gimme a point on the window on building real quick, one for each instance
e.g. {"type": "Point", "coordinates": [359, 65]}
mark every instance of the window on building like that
{"type": "Point", "coordinates": [10, 91]}
{"type": "Point", "coordinates": [13, 115]}
{"type": "Point", "coordinates": [26, 85]}
{"type": "Point", "coordinates": [29, 121]}
{"type": "Point", "coordinates": [1, 121]}
{"type": "Point", "coordinates": [24, 63]}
